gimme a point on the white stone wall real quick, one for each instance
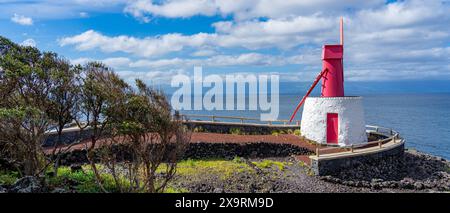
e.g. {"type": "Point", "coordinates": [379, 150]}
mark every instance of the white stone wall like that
{"type": "Point", "coordinates": [351, 119]}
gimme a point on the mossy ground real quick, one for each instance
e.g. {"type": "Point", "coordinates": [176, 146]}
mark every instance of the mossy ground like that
{"type": "Point", "coordinates": [188, 172]}
{"type": "Point", "coordinates": [228, 175]}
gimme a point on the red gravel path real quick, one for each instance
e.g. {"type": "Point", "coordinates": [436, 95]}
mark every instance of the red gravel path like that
{"type": "Point", "coordinates": [198, 137]}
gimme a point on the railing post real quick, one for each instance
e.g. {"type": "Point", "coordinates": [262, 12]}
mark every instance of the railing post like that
{"type": "Point", "coordinates": [213, 118]}
{"type": "Point", "coordinates": [380, 144]}
{"type": "Point", "coordinates": [317, 151]}
{"type": "Point", "coordinates": [351, 148]}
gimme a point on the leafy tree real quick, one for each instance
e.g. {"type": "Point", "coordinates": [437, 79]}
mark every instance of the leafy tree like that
{"type": "Point", "coordinates": [63, 97]}
{"type": "Point", "coordinates": [24, 119]}
{"type": "Point", "coordinates": [41, 92]}
{"type": "Point", "coordinates": [156, 139]}
{"type": "Point", "coordinates": [37, 93]}
{"type": "Point", "coordinates": [101, 92]}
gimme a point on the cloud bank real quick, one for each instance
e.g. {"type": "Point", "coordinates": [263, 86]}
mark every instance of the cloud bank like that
{"type": "Point", "coordinates": [398, 40]}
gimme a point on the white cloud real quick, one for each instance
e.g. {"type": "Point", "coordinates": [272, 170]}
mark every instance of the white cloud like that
{"type": "Point", "coordinates": [399, 40]}
{"type": "Point", "coordinates": [22, 20]}
{"type": "Point", "coordinates": [285, 26]}
{"type": "Point", "coordinates": [84, 15]}
{"type": "Point", "coordinates": [281, 33]}
{"type": "Point", "coordinates": [152, 77]}
{"type": "Point", "coordinates": [145, 47]}
{"type": "Point", "coordinates": [204, 52]}
{"type": "Point", "coordinates": [29, 42]}
{"type": "Point", "coordinates": [80, 61]}
{"type": "Point", "coordinates": [403, 14]}
{"type": "Point", "coordinates": [174, 9]}
{"type": "Point", "coordinates": [243, 9]}
{"type": "Point", "coordinates": [117, 62]}
{"type": "Point", "coordinates": [245, 59]}
{"type": "Point", "coordinates": [56, 9]}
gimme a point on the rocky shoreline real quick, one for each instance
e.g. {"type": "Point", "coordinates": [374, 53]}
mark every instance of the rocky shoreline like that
{"type": "Point", "coordinates": [416, 171]}
{"type": "Point", "coordinates": [420, 172]}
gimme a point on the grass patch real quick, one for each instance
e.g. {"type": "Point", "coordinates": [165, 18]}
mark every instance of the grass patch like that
{"type": "Point", "coordinates": [171, 189]}
{"type": "Point", "coordinates": [447, 168]}
{"type": "Point", "coordinates": [82, 181]}
{"type": "Point", "coordinates": [236, 131]}
{"type": "Point", "coordinates": [275, 132]}
{"type": "Point", "coordinates": [199, 129]}
{"type": "Point", "coordinates": [266, 164]}
{"type": "Point", "coordinates": [8, 178]}
{"type": "Point", "coordinates": [222, 168]}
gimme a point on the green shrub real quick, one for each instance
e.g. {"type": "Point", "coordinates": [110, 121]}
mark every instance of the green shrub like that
{"type": "Point", "coordinates": [223, 168]}
{"type": "Point", "coordinates": [297, 132]}
{"type": "Point", "coordinates": [265, 164]}
{"type": "Point", "coordinates": [236, 131]}
{"type": "Point", "coordinates": [199, 129]}
{"type": "Point", "coordinates": [238, 159]}
{"type": "Point", "coordinates": [8, 178]}
{"type": "Point", "coordinates": [171, 189]}
{"type": "Point", "coordinates": [83, 181]}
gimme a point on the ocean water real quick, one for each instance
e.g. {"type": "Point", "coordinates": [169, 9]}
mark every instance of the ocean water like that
{"type": "Point", "coordinates": [423, 119]}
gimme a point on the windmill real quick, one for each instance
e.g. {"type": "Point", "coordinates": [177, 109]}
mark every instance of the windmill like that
{"type": "Point", "coordinates": [332, 118]}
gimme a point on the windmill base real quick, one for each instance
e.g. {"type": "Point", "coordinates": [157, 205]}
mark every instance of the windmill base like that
{"type": "Point", "coordinates": [334, 120]}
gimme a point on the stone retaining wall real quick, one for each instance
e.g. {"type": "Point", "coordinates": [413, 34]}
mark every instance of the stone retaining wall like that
{"type": "Point", "coordinates": [250, 129]}
{"type": "Point", "coordinates": [207, 150]}
{"type": "Point", "coordinates": [335, 166]}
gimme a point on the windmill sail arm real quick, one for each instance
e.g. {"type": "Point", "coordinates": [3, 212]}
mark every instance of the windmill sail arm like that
{"type": "Point", "coordinates": [321, 74]}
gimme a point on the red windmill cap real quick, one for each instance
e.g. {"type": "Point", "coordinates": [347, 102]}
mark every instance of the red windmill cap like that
{"type": "Point", "coordinates": [332, 51]}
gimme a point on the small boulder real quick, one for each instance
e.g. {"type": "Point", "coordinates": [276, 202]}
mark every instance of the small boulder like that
{"type": "Point", "coordinates": [418, 186]}
{"type": "Point", "coordinates": [28, 184]}
{"type": "Point", "coordinates": [377, 180]}
{"type": "Point", "coordinates": [3, 190]}
{"type": "Point", "coordinates": [59, 190]}
{"type": "Point", "coordinates": [218, 190]}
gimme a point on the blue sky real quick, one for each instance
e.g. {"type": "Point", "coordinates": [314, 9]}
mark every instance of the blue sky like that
{"type": "Point", "coordinates": [384, 40]}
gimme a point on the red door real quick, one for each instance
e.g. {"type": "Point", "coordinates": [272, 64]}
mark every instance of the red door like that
{"type": "Point", "coordinates": [332, 128]}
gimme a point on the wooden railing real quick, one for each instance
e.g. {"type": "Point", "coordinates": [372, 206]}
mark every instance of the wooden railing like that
{"type": "Point", "coordinates": [391, 135]}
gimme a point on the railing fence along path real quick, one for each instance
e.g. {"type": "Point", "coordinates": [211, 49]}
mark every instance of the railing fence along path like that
{"type": "Point", "coordinates": [391, 134]}
{"type": "Point", "coordinates": [220, 118]}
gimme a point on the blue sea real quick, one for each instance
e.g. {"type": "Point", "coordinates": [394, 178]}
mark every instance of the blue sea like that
{"type": "Point", "coordinates": [422, 118]}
